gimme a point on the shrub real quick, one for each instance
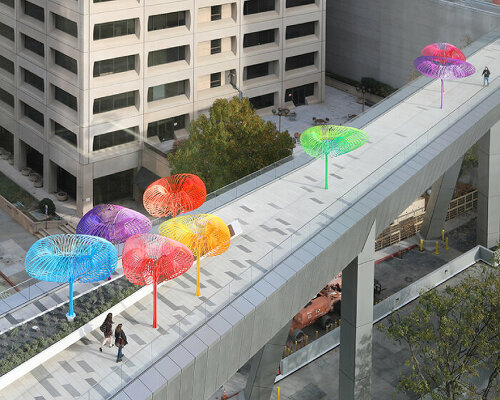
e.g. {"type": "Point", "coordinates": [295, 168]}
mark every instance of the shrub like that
{"type": "Point", "coordinates": [377, 88]}
{"type": "Point", "coordinates": [42, 203]}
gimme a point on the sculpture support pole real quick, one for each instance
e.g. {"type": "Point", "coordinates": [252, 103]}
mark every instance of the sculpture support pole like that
{"type": "Point", "coordinates": [70, 315]}
{"type": "Point", "coordinates": [442, 93]}
{"type": "Point", "coordinates": [155, 294]}
{"type": "Point", "coordinates": [326, 171]}
{"type": "Point", "coordinates": [198, 291]}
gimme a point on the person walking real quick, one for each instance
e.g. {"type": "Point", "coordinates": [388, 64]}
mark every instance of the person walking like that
{"type": "Point", "coordinates": [486, 76]}
{"type": "Point", "coordinates": [121, 341]}
{"type": "Point", "coordinates": [107, 329]}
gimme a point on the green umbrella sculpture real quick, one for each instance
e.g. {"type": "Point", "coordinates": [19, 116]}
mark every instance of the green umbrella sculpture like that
{"type": "Point", "coordinates": [325, 141]}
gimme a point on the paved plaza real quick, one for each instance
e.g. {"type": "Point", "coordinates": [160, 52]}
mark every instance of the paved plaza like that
{"type": "Point", "coordinates": [268, 216]}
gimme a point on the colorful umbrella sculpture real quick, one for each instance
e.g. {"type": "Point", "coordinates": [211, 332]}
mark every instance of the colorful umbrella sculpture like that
{"type": "Point", "coordinates": [204, 234]}
{"type": "Point", "coordinates": [325, 141]}
{"type": "Point", "coordinates": [71, 258]}
{"type": "Point", "coordinates": [443, 68]}
{"type": "Point", "coordinates": [443, 50]}
{"type": "Point", "coordinates": [113, 223]}
{"type": "Point", "coordinates": [174, 194]}
{"type": "Point", "coordinates": [151, 259]}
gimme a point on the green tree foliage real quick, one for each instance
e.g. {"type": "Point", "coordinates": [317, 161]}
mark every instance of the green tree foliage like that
{"type": "Point", "coordinates": [230, 143]}
{"type": "Point", "coordinates": [452, 335]}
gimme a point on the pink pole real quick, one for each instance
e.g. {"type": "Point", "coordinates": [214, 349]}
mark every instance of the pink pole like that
{"type": "Point", "coordinates": [442, 91]}
{"type": "Point", "coordinates": [155, 294]}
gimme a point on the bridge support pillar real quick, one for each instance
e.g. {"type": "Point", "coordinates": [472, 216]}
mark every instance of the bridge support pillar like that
{"type": "Point", "coordinates": [439, 202]}
{"type": "Point", "coordinates": [264, 366]}
{"type": "Point", "coordinates": [357, 323]}
{"type": "Point", "coordinates": [488, 204]}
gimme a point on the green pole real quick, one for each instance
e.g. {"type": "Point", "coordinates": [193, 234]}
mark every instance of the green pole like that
{"type": "Point", "coordinates": [326, 171]}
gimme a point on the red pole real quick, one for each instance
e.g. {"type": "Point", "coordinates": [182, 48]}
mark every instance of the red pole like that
{"type": "Point", "coordinates": [155, 293]}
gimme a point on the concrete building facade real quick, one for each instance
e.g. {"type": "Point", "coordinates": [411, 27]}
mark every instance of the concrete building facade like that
{"type": "Point", "coordinates": [93, 90]}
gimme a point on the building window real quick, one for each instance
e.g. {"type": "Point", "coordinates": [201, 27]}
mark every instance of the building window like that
{"type": "Point", "coordinates": [63, 133]}
{"type": "Point", "coordinates": [258, 38]}
{"type": "Point", "coordinates": [6, 138]}
{"type": "Point", "coordinates": [165, 128]}
{"type": "Point", "coordinates": [8, 3]}
{"type": "Point", "coordinates": [115, 138]}
{"type": "Point", "coordinates": [298, 94]}
{"type": "Point", "coordinates": [7, 65]}
{"type": "Point", "coordinates": [167, 90]}
{"type": "Point", "coordinates": [258, 70]}
{"type": "Point", "coordinates": [215, 79]}
{"type": "Point", "coordinates": [165, 21]}
{"type": "Point", "coordinates": [300, 61]}
{"type": "Point", "coordinates": [34, 11]}
{"type": "Point", "coordinates": [65, 98]}
{"type": "Point", "coordinates": [215, 46]}
{"type": "Point", "coordinates": [215, 13]}
{"type": "Point", "coordinates": [7, 98]}
{"type": "Point", "coordinates": [114, 65]}
{"type": "Point", "coordinates": [34, 45]}
{"type": "Point", "coordinates": [296, 3]}
{"type": "Point", "coordinates": [7, 32]}
{"type": "Point", "coordinates": [114, 29]}
{"type": "Point", "coordinates": [165, 56]}
{"type": "Point", "coordinates": [35, 115]}
{"type": "Point", "coordinates": [266, 100]}
{"type": "Point", "coordinates": [258, 6]}
{"type": "Point", "coordinates": [299, 30]}
{"type": "Point", "coordinates": [65, 61]}
{"type": "Point", "coordinates": [34, 80]}
{"type": "Point", "coordinates": [114, 102]}
{"type": "Point", "coordinates": [66, 25]}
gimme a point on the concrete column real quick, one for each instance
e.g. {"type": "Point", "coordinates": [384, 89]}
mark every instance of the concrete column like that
{"type": "Point", "coordinates": [84, 189]}
{"type": "Point", "coordinates": [439, 202]}
{"type": "Point", "coordinates": [264, 365]}
{"type": "Point", "coordinates": [49, 171]}
{"type": "Point", "coordinates": [357, 322]}
{"type": "Point", "coordinates": [488, 205]}
{"type": "Point", "coordinates": [19, 153]}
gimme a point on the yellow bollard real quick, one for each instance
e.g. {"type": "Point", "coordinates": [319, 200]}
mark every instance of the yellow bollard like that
{"type": "Point", "coordinates": [307, 339]}
{"type": "Point", "coordinates": [421, 244]}
{"type": "Point", "coordinates": [278, 392]}
{"type": "Point", "coordinates": [284, 352]}
{"type": "Point", "coordinates": [442, 235]}
{"type": "Point", "coordinates": [446, 244]}
{"type": "Point", "coordinates": [437, 248]}
{"type": "Point", "coordinates": [317, 334]}
{"type": "Point", "coordinates": [295, 345]}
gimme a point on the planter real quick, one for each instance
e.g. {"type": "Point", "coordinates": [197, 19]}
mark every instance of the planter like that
{"type": "Point", "coordinates": [38, 183]}
{"type": "Point", "coordinates": [11, 161]}
{"type": "Point", "coordinates": [2, 150]}
{"type": "Point", "coordinates": [26, 171]}
{"type": "Point", "coordinates": [62, 196]}
{"type": "Point", "coordinates": [5, 155]}
{"type": "Point", "coordinates": [34, 177]}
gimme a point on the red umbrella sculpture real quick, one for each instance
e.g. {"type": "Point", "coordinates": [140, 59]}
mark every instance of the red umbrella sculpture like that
{"type": "Point", "coordinates": [150, 259]}
{"type": "Point", "coordinates": [443, 50]}
{"type": "Point", "coordinates": [174, 194]}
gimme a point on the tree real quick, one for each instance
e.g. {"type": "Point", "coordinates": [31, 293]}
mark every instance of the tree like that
{"type": "Point", "coordinates": [228, 144]}
{"type": "Point", "coordinates": [452, 335]}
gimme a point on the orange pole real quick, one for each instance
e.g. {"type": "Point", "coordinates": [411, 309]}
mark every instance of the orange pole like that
{"type": "Point", "coordinates": [198, 290]}
{"type": "Point", "coordinates": [155, 294]}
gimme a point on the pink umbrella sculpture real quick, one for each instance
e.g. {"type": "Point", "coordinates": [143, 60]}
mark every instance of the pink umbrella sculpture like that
{"type": "Point", "coordinates": [443, 50]}
{"type": "Point", "coordinates": [443, 68]}
{"type": "Point", "coordinates": [151, 259]}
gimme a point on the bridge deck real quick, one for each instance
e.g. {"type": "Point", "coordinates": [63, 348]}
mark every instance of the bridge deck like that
{"type": "Point", "coordinates": [275, 220]}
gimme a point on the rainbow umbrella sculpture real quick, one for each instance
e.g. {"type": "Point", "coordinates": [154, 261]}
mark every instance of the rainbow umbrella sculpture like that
{"type": "Point", "coordinates": [204, 234]}
{"type": "Point", "coordinates": [443, 68]}
{"type": "Point", "coordinates": [443, 50]}
{"type": "Point", "coordinates": [113, 223]}
{"type": "Point", "coordinates": [174, 194]}
{"type": "Point", "coordinates": [71, 258]}
{"type": "Point", "coordinates": [151, 259]}
{"type": "Point", "coordinates": [325, 141]}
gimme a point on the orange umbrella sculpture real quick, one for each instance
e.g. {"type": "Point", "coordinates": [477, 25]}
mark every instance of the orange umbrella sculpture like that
{"type": "Point", "coordinates": [174, 194]}
{"type": "Point", "coordinates": [204, 234]}
{"type": "Point", "coordinates": [151, 259]}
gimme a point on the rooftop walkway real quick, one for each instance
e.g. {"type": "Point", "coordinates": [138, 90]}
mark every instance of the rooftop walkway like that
{"type": "Point", "coordinates": [275, 220]}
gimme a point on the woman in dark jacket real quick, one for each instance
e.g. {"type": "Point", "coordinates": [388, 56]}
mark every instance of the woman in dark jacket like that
{"type": "Point", "coordinates": [107, 330]}
{"type": "Point", "coordinates": [121, 341]}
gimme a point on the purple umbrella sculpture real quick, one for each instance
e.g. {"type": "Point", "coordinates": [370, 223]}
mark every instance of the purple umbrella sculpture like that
{"type": "Point", "coordinates": [443, 68]}
{"type": "Point", "coordinates": [113, 223]}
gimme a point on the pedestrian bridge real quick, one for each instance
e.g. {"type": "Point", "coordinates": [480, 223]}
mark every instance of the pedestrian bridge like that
{"type": "Point", "coordinates": [297, 236]}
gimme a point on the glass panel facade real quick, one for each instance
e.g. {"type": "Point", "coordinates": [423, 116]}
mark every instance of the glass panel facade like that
{"type": "Point", "coordinates": [35, 115]}
{"type": "Point", "coordinates": [258, 6]}
{"type": "Point", "coordinates": [34, 11]}
{"type": "Point", "coordinates": [65, 98]}
{"type": "Point", "coordinates": [34, 45]}
{"type": "Point", "coordinates": [167, 90]}
{"type": "Point", "coordinates": [266, 100]}
{"type": "Point", "coordinates": [6, 31]}
{"type": "Point", "coordinates": [115, 138]}
{"type": "Point", "coordinates": [165, 56]}
{"type": "Point", "coordinates": [299, 30]}
{"type": "Point", "coordinates": [258, 38]}
{"type": "Point", "coordinates": [114, 65]}
{"type": "Point", "coordinates": [7, 65]}
{"type": "Point", "coordinates": [65, 61]}
{"type": "Point", "coordinates": [6, 98]}
{"type": "Point", "coordinates": [215, 13]}
{"type": "Point", "coordinates": [215, 46]}
{"type": "Point", "coordinates": [66, 25]}
{"type": "Point", "coordinates": [258, 70]}
{"type": "Point", "coordinates": [33, 80]}
{"type": "Point", "coordinates": [165, 128]}
{"type": "Point", "coordinates": [114, 29]}
{"type": "Point", "coordinates": [165, 21]}
{"type": "Point", "coordinates": [296, 3]}
{"type": "Point", "coordinates": [300, 61]}
{"type": "Point", "coordinates": [215, 79]}
{"type": "Point", "coordinates": [114, 102]}
{"type": "Point", "coordinates": [64, 133]}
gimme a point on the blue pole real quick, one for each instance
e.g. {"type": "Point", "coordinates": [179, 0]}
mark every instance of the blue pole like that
{"type": "Point", "coordinates": [70, 314]}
